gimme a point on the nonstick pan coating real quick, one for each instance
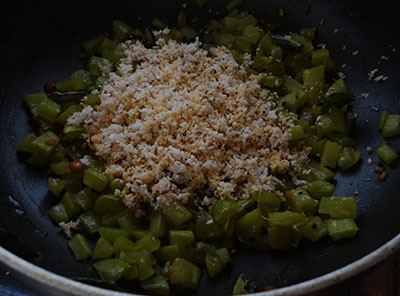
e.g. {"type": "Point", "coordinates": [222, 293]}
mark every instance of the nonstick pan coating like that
{"type": "Point", "coordinates": [40, 40]}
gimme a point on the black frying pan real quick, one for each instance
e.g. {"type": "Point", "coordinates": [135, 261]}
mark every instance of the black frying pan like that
{"type": "Point", "coordinates": [40, 40]}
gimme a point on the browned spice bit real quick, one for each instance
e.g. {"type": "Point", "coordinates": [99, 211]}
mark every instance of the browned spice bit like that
{"type": "Point", "coordinates": [312, 128]}
{"type": "Point", "coordinates": [379, 169]}
{"type": "Point", "coordinates": [195, 19]}
{"type": "Point", "coordinates": [106, 35]}
{"type": "Point", "coordinates": [83, 56]}
{"type": "Point", "coordinates": [383, 143]}
{"type": "Point", "coordinates": [78, 228]}
{"type": "Point", "coordinates": [76, 167]}
{"type": "Point", "coordinates": [50, 141]}
{"type": "Point", "coordinates": [382, 177]}
{"type": "Point", "coordinates": [324, 216]}
{"type": "Point", "coordinates": [281, 12]}
{"type": "Point", "coordinates": [269, 288]}
{"type": "Point", "coordinates": [50, 86]}
{"type": "Point", "coordinates": [315, 110]}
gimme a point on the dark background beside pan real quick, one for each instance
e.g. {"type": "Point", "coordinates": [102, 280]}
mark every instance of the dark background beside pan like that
{"type": "Point", "coordinates": [40, 40]}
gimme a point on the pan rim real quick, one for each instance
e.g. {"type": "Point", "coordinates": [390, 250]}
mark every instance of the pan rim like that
{"type": "Point", "coordinates": [59, 285]}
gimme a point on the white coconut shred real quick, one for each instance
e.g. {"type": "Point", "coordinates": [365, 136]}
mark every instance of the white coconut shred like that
{"type": "Point", "coordinates": [183, 120]}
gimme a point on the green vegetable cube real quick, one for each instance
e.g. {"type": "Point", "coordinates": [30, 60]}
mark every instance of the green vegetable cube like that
{"type": "Point", "coordinates": [286, 218]}
{"type": "Point", "coordinates": [95, 179]}
{"type": "Point", "coordinates": [123, 244]}
{"type": "Point", "coordinates": [382, 119]}
{"type": "Point", "coordinates": [314, 77]}
{"type": "Point", "coordinates": [331, 154]}
{"type": "Point", "coordinates": [157, 224]}
{"type": "Point", "coordinates": [391, 127]}
{"type": "Point", "coordinates": [176, 214]}
{"type": "Point", "coordinates": [97, 66]}
{"type": "Point", "coordinates": [387, 154]}
{"type": "Point", "coordinates": [72, 84]}
{"type": "Point", "coordinates": [251, 230]}
{"type": "Point", "coordinates": [58, 214]}
{"type": "Point", "coordinates": [224, 210]}
{"type": "Point", "coordinates": [103, 249]}
{"type": "Point", "coordinates": [348, 158]}
{"type": "Point", "coordinates": [319, 189]}
{"type": "Point", "coordinates": [73, 131]}
{"type": "Point", "coordinates": [48, 110]}
{"type": "Point", "coordinates": [341, 228]}
{"type": "Point", "coordinates": [56, 185]}
{"type": "Point", "coordinates": [108, 203]}
{"type": "Point", "coordinates": [26, 143]}
{"type": "Point", "coordinates": [181, 237]}
{"type": "Point", "coordinates": [111, 269]}
{"type": "Point", "coordinates": [90, 222]}
{"type": "Point", "coordinates": [314, 229]}
{"type": "Point", "coordinates": [214, 266]}
{"type": "Point", "coordinates": [72, 208]}
{"type": "Point", "coordinates": [156, 285]}
{"type": "Point", "coordinates": [319, 57]}
{"type": "Point", "coordinates": [62, 118]}
{"type": "Point", "coordinates": [91, 46]}
{"type": "Point", "coordinates": [185, 274]}
{"type": "Point", "coordinates": [60, 168]}
{"type": "Point", "coordinates": [301, 201]}
{"type": "Point", "coordinates": [80, 247]}
{"type": "Point", "coordinates": [297, 132]}
{"type": "Point", "coordinates": [267, 202]}
{"type": "Point", "coordinates": [111, 233]}
{"type": "Point", "coordinates": [338, 207]}
{"type": "Point", "coordinates": [169, 253]}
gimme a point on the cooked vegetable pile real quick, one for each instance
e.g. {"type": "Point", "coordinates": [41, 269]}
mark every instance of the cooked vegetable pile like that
{"type": "Point", "coordinates": [170, 245]}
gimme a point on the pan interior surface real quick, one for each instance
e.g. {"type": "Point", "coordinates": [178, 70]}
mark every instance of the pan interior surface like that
{"type": "Point", "coordinates": [41, 41]}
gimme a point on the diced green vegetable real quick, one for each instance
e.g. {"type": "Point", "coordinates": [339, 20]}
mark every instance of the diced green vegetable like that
{"type": "Point", "coordinates": [331, 154]}
{"type": "Point", "coordinates": [108, 203]}
{"type": "Point", "coordinates": [338, 207]}
{"type": "Point", "coordinates": [80, 247]}
{"type": "Point", "coordinates": [301, 201]}
{"type": "Point", "coordinates": [297, 132]}
{"type": "Point", "coordinates": [72, 208]}
{"type": "Point", "coordinates": [103, 249]}
{"type": "Point", "coordinates": [251, 230]}
{"type": "Point", "coordinates": [214, 266]}
{"type": "Point", "coordinates": [242, 287]}
{"type": "Point", "coordinates": [181, 237]}
{"type": "Point", "coordinates": [169, 253]}
{"type": "Point", "coordinates": [56, 186]}
{"type": "Point", "coordinates": [97, 66]}
{"type": "Point", "coordinates": [185, 274]}
{"type": "Point", "coordinates": [319, 189]}
{"type": "Point", "coordinates": [90, 222]}
{"type": "Point", "coordinates": [391, 127]}
{"type": "Point", "coordinates": [341, 228]}
{"type": "Point", "coordinates": [111, 269]}
{"type": "Point", "coordinates": [121, 29]}
{"type": "Point", "coordinates": [156, 285]}
{"type": "Point", "coordinates": [58, 214]}
{"type": "Point", "coordinates": [111, 233]}
{"type": "Point", "coordinates": [176, 214]}
{"type": "Point", "coordinates": [71, 84]}
{"type": "Point", "coordinates": [382, 119]}
{"type": "Point", "coordinates": [314, 229]}
{"type": "Point", "coordinates": [224, 210]}
{"type": "Point", "coordinates": [387, 154]}
{"type": "Point", "coordinates": [348, 157]}
{"type": "Point", "coordinates": [267, 202]}
{"type": "Point", "coordinates": [95, 179]}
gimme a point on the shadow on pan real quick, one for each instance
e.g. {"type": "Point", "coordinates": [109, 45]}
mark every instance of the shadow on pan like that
{"type": "Point", "coordinates": [41, 40]}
